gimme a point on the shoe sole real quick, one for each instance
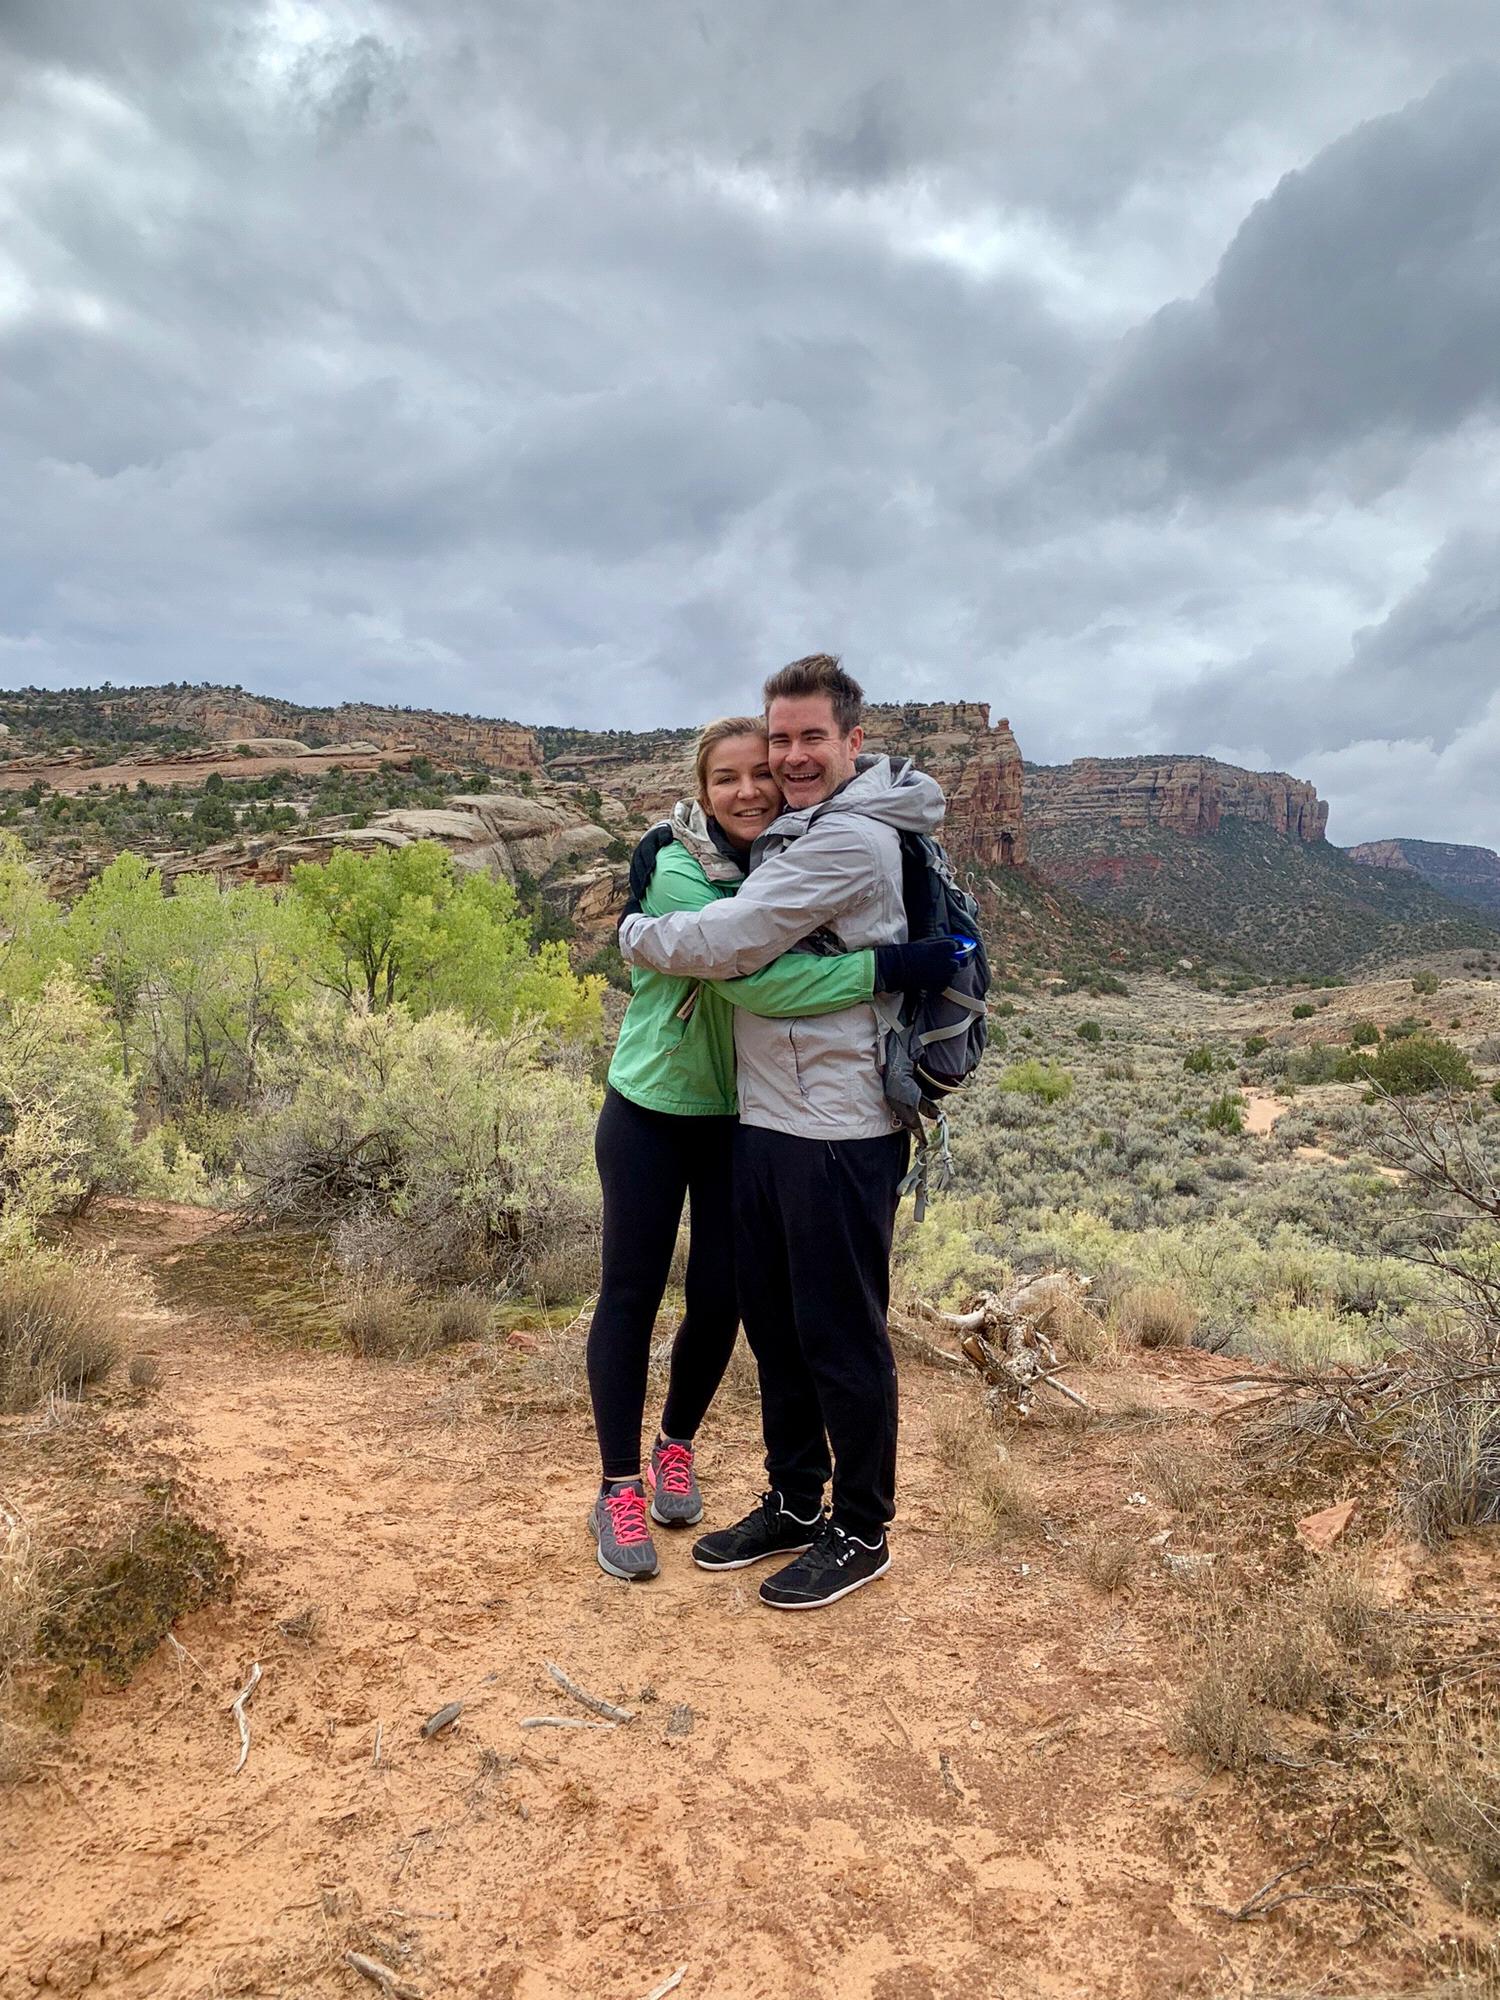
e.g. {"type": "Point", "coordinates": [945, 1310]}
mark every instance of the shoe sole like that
{"type": "Point", "coordinates": [620, 1575]}
{"type": "Point", "coordinates": [820, 1603]}
{"type": "Point", "coordinates": [745, 1562]}
{"type": "Point", "coordinates": [676, 1520]}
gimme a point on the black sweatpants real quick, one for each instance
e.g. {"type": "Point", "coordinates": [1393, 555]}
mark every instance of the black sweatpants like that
{"type": "Point", "coordinates": [813, 1224]}
{"type": "Point", "coordinates": [649, 1163]}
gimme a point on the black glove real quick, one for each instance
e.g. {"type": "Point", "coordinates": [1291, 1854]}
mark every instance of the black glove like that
{"type": "Point", "coordinates": [924, 967]}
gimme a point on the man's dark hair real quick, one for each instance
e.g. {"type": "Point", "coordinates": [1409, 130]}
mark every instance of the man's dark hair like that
{"type": "Point", "coordinates": [819, 673]}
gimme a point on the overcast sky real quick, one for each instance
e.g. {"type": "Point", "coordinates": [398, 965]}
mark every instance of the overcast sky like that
{"type": "Point", "coordinates": [1133, 366]}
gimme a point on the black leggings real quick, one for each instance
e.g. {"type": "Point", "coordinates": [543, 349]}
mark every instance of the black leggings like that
{"type": "Point", "coordinates": [648, 1162]}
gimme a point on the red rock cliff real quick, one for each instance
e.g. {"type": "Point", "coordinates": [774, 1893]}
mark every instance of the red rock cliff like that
{"type": "Point", "coordinates": [1187, 795]}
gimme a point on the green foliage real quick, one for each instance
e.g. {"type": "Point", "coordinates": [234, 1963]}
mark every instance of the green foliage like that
{"type": "Point", "coordinates": [400, 925]}
{"type": "Point", "coordinates": [1256, 1045]}
{"type": "Point", "coordinates": [1317, 1063]}
{"type": "Point", "coordinates": [1199, 1061]}
{"type": "Point", "coordinates": [1425, 982]}
{"type": "Point", "coordinates": [65, 1112]}
{"type": "Point", "coordinates": [1303, 1011]}
{"type": "Point", "coordinates": [1226, 1113]}
{"type": "Point", "coordinates": [1037, 1079]}
{"type": "Point", "coordinates": [1090, 1031]}
{"type": "Point", "coordinates": [1415, 1064]}
{"type": "Point", "coordinates": [1363, 1035]}
{"type": "Point", "coordinates": [441, 1150]}
{"type": "Point", "coordinates": [31, 940]}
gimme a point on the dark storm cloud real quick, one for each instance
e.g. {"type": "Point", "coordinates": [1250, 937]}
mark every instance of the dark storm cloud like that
{"type": "Point", "coordinates": [1134, 370]}
{"type": "Point", "coordinates": [1359, 302]}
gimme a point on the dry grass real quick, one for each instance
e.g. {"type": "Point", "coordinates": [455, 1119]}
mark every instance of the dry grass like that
{"type": "Point", "coordinates": [1449, 1799]}
{"type": "Point", "coordinates": [1155, 1316]}
{"type": "Point", "coordinates": [21, 1607]}
{"type": "Point", "coordinates": [462, 1316]}
{"type": "Point", "coordinates": [62, 1326]}
{"type": "Point", "coordinates": [1358, 1623]}
{"type": "Point", "coordinates": [388, 1322]}
{"type": "Point", "coordinates": [1107, 1558]}
{"type": "Point", "coordinates": [991, 1498]}
{"type": "Point", "coordinates": [1091, 1341]}
{"type": "Point", "coordinates": [1287, 1660]}
{"type": "Point", "coordinates": [1219, 1724]}
{"type": "Point", "coordinates": [1182, 1475]}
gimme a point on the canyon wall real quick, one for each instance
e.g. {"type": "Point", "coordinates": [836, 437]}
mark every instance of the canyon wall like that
{"type": "Point", "coordinates": [1186, 795]}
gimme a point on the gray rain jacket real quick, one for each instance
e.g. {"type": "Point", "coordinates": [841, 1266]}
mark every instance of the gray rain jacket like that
{"type": "Point", "coordinates": [835, 867]}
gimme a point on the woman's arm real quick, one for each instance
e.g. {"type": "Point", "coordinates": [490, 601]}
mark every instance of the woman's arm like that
{"type": "Point", "coordinates": [800, 982]}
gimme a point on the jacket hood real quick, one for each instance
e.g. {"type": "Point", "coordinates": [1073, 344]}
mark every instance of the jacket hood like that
{"type": "Point", "coordinates": [692, 827]}
{"type": "Point", "coordinates": [902, 797]}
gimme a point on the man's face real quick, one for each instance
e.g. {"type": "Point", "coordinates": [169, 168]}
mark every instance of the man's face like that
{"type": "Point", "coordinates": [809, 758]}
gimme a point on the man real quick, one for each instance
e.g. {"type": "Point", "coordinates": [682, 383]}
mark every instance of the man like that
{"type": "Point", "coordinates": [819, 1158]}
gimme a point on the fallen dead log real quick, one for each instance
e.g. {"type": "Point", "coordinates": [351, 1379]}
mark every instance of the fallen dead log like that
{"type": "Point", "coordinates": [1004, 1338]}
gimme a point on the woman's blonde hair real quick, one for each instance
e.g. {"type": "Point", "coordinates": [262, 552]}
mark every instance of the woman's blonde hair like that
{"type": "Point", "coordinates": [720, 732]}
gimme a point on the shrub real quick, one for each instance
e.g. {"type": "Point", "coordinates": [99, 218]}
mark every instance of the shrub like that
{"type": "Point", "coordinates": [61, 1326]}
{"type": "Point", "coordinates": [1303, 1011]}
{"type": "Point", "coordinates": [1037, 1079]}
{"type": "Point", "coordinates": [1219, 1723]}
{"type": "Point", "coordinates": [1105, 983]}
{"type": "Point", "coordinates": [388, 1322]}
{"type": "Point", "coordinates": [1363, 1035]}
{"type": "Point", "coordinates": [1156, 1315]}
{"type": "Point", "coordinates": [1090, 1031]}
{"type": "Point", "coordinates": [1425, 982]}
{"type": "Point", "coordinates": [1317, 1063]}
{"type": "Point", "coordinates": [1199, 1062]}
{"type": "Point", "coordinates": [1226, 1113]}
{"type": "Point", "coordinates": [1416, 1064]}
{"type": "Point", "coordinates": [1256, 1045]}
{"type": "Point", "coordinates": [65, 1115]}
{"type": "Point", "coordinates": [1450, 1800]}
{"type": "Point", "coordinates": [443, 1152]}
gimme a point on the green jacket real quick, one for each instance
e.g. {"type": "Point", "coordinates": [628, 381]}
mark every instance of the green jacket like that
{"type": "Point", "coordinates": [687, 1067]}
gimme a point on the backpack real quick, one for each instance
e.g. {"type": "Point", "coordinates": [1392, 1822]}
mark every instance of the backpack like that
{"type": "Point", "coordinates": [933, 1041]}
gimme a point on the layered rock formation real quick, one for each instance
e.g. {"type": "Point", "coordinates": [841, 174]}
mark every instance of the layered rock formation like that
{"type": "Point", "coordinates": [1186, 795]}
{"type": "Point", "coordinates": [545, 838]}
{"type": "Point", "coordinates": [227, 716]}
{"type": "Point", "coordinates": [1467, 874]}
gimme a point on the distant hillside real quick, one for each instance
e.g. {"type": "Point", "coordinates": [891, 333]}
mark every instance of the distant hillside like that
{"type": "Point", "coordinates": [1465, 874]}
{"type": "Point", "coordinates": [1284, 906]}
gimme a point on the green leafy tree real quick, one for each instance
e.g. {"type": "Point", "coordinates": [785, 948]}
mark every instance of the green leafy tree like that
{"type": "Point", "coordinates": [400, 925]}
{"type": "Point", "coordinates": [31, 934]}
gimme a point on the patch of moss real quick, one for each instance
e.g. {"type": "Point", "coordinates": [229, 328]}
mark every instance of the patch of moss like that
{"type": "Point", "coordinates": [120, 1604]}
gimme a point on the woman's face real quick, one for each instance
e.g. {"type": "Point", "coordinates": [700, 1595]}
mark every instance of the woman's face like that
{"type": "Point", "coordinates": [739, 790]}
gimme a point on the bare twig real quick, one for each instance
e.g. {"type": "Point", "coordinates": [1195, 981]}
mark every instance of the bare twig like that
{"type": "Point", "coordinates": [668, 1985]}
{"type": "Point", "coordinates": [563, 1722]}
{"type": "Point", "coordinates": [445, 1718]}
{"type": "Point", "coordinates": [379, 1732]}
{"type": "Point", "coordinates": [237, 1710]}
{"type": "Point", "coordinates": [381, 1976]}
{"type": "Point", "coordinates": [590, 1701]}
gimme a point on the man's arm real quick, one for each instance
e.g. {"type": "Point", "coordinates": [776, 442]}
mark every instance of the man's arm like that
{"type": "Point", "coordinates": [809, 883]}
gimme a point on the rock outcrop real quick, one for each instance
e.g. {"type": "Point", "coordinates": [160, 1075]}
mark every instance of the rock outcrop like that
{"type": "Point", "coordinates": [1186, 795]}
{"type": "Point", "coordinates": [1467, 874]}
{"type": "Point", "coordinates": [548, 841]}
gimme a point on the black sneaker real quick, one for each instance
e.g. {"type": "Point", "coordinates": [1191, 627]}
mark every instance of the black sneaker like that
{"type": "Point", "coordinates": [836, 1563]}
{"type": "Point", "coordinates": [769, 1529]}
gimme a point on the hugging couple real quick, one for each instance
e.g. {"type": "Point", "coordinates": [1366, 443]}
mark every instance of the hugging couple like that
{"type": "Point", "coordinates": [765, 918]}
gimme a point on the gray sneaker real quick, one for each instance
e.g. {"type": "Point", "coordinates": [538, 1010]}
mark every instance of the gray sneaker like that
{"type": "Point", "coordinates": [675, 1499]}
{"type": "Point", "coordinates": [617, 1522]}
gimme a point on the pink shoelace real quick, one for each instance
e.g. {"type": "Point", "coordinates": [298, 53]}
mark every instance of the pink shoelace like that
{"type": "Point", "coordinates": [674, 1469]}
{"type": "Point", "coordinates": [627, 1516]}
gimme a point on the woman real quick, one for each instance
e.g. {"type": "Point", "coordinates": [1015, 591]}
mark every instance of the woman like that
{"type": "Point", "coordinates": [665, 1134]}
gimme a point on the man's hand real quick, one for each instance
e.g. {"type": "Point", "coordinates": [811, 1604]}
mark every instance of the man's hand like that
{"type": "Point", "coordinates": [924, 967]}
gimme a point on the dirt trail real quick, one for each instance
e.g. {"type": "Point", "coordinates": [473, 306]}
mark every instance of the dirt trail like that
{"type": "Point", "coordinates": [956, 1783]}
